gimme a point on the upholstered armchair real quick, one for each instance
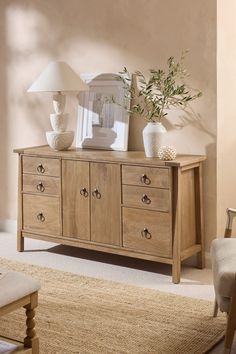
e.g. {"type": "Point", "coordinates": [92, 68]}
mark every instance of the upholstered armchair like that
{"type": "Point", "coordinates": [223, 254]}
{"type": "Point", "coordinates": [19, 290]}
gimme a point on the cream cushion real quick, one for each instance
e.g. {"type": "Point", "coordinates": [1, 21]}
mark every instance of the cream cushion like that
{"type": "Point", "coordinates": [15, 285]}
{"type": "Point", "coordinates": [223, 255]}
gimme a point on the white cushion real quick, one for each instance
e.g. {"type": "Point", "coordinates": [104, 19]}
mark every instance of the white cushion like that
{"type": "Point", "coordinates": [223, 255]}
{"type": "Point", "coordinates": [14, 286]}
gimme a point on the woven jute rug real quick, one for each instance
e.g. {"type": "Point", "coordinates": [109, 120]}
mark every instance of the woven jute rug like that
{"type": "Point", "coordinates": [77, 314]}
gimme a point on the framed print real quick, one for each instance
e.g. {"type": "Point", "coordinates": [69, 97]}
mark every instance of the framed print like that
{"type": "Point", "coordinates": [103, 122]}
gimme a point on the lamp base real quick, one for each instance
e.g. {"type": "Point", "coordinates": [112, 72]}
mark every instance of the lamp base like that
{"type": "Point", "coordinates": [60, 140]}
{"type": "Point", "coordinates": [59, 121]}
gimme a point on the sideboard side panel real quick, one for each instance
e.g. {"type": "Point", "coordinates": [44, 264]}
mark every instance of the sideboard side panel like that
{"type": "Point", "coordinates": [188, 203]}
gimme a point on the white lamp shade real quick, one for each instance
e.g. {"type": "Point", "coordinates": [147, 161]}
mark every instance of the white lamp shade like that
{"type": "Point", "coordinates": [58, 76]}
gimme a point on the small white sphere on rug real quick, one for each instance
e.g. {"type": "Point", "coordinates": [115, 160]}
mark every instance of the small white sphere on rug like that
{"type": "Point", "coordinates": [167, 153]}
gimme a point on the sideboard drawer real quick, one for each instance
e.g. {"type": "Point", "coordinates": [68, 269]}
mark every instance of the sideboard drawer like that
{"type": "Point", "coordinates": [41, 214]}
{"type": "Point", "coordinates": [41, 166]}
{"type": "Point", "coordinates": [148, 231]}
{"type": "Point", "coordinates": [145, 197]}
{"type": "Point", "coordinates": [145, 176]}
{"type": "Point", "coordinates": [41, 184]}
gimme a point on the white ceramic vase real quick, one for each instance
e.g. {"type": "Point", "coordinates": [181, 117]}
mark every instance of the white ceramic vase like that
{"type": "Point", "coordinates": [153, 135]}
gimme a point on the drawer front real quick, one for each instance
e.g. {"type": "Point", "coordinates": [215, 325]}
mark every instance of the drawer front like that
{"type": "Point", "coordinates": [145, 176]}
{"type": "Point", "coordinates": [41, 184]}
{"type": "Point", "coordinates": [41, 214]}
{"type": "Point", "coordinates": [41, 166]}
{"type": "Point", "coordinates": [148, 198]}
{"type": "Point", "coordinates": [148, 231]}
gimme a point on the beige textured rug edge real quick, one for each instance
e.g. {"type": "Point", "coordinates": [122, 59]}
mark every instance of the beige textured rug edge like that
{"type": "Point", "coordinates": [215, 343]}
{"type": "Point", "coordinates": [99, 316]}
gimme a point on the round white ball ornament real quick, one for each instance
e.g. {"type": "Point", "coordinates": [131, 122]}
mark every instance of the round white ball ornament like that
{"type": "Point", "coordinates": [167, 153]}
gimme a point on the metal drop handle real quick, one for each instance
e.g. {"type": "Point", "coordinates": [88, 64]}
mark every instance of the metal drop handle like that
{"type": "Point", "coordinates": [145, 199]}
{"type": "Point", "coordinates": [145, 179]}
{"type": "Point", "coordinates": [41, 217]}
{"type": "Point", "coordinates": [40, 168]}
{"type": "Point", "coordinates": [40, 187]}
{"type": "Point", "coordinates": [84, 192]}
{"type": "Point", "coordinates": [96, 193]}
{"type": "Point", "coordinates": [145, 233]}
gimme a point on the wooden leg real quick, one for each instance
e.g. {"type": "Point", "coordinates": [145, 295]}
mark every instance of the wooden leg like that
{"type": "Point", "coordinates": [176, 267]}
{"type": "Point", "coordinates": [20, 239]}
{"type": "Point", "coordinates": [199, 216]}
{"type": "Point", "coordinates": [31, 340]}
{"type": "Point", "coordinates": [215, 311]}
{"type": "Point", "coordinates": [176, 271]}
{"type": "Point", "coordinates": [20, 242]}
{"type": "Point", "coordinates": [201, 260]}
{"type": "Point", "coordinates": [229, 335]}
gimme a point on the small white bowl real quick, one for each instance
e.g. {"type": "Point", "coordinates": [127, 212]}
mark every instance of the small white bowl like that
{"type": "Point", "coordinates": [60, 141]}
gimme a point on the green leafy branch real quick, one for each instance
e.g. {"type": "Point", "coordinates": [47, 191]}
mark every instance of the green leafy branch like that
{"type": "Point", "coordinates": [160, 92]}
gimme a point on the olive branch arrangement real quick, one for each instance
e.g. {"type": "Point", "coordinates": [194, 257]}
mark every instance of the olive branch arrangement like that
{"type": "Point", "coordinates": [161, 91]}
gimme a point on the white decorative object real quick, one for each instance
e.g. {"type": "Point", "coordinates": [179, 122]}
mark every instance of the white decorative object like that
{"type": "Point", "coordinates": [59, 122]}
{"type": "Point", "coordinates": [153, 138]}
{"type": "Point", "coordinates": [58, 77]}
{"type": "Point", "coordinates": [167, 153]}
{"type": "Point", "coordinates": [103, 122]}
{"type": "Point", "coordinates": [60, 140]}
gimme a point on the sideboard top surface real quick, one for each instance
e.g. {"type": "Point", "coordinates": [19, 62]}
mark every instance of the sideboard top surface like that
{"type": "Point", "coordinates": [110, 156]}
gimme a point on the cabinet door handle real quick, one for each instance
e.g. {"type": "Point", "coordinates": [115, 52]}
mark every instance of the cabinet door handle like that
{"type": "Point", "coordinates": [40, 187]}
{"type": "Point", "coordinates": [40, 168]}
{"type": "Point", "coordinates": [41, 217]}
{"type": "Point", "coordinates": [145, 179]}
{"type": "Point", "coordinates": [84, 192]}
{"type": "Point", "coordinates": [96, 193]}
{"type": "Point", "coordinates": [145, 233]}
{"type": "Point", "coordinates": [145, 199]}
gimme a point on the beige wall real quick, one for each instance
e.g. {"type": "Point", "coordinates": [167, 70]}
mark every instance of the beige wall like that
{"type": "Point", "coordinates": [226, 112]}
{"type": "Point", "coordinates": [98, 36]}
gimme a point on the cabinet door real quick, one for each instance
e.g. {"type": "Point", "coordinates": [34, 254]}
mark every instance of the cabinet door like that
{"type": "Point", "coordinates": [105, 203]}
{"type": "Point", "coordinates": [75, 199]}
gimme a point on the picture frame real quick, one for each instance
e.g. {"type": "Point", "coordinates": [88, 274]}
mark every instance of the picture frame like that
{"type": "Point", "coordinates": [103, 120]}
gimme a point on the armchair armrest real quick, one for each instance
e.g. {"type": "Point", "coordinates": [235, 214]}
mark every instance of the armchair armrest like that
{"type": "Point", "coordinates": [231, 213]}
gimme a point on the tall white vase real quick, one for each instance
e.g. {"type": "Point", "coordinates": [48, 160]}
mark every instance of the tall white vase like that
{"type": "Point", "coordinates": [153, 135]}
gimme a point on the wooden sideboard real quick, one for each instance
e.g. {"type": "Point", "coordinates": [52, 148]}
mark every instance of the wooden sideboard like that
{"type": "Point", "coordinates": [115, 202]}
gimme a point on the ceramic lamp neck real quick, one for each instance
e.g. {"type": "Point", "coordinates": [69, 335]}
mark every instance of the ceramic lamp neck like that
{"type": "Point", "coordinates": [59, 102]}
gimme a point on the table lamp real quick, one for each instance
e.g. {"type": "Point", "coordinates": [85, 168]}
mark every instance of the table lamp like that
{"type": "Point", "coordinates": [58, 77]}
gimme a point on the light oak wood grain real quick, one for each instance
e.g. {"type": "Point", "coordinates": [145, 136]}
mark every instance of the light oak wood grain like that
{"type": "Point", "coordinates": [41, 184]}
{"type": "Point", "coordinates": [41, 166]}
{"type": "Point", "coordinates": [98, 247]}
{"type": "Point", "coordinates": [158, 226]}
{"type": "Point", "coordinates": [20, 239]}
{"type": "Point", "coordinates": [129, 157]}
{"type": "Point", "coordinates": [177, 223]}
{"type": "Point", "coordinates": [199, 215]}
{"type": "Point", "coordinates": [145, 176]}
{"type": "Point", "coordinates": [147, 198]}
{"type": "Point", "coordinates": [49, 207]}
{"type": "Point", "coordinates": [105, 206]}
{"type": "Point", "coordinates": [76, 199]}
{"type": "Point", "coordinates": [188, 210]}
{"type": "Point", "coordinates": [111, 218]}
